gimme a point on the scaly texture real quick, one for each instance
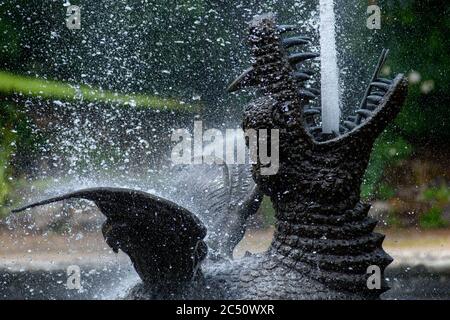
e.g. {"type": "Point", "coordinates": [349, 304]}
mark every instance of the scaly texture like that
{"type": "Point", "coordinates": [324, 240]}
{"type": "Point", "coordinates": [322, 229]}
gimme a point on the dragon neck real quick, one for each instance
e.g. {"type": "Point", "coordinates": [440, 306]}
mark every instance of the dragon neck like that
{"type": "Point", "coordinates": [332, 246]}
{"type": "Point", "coordinates": [323, 230]}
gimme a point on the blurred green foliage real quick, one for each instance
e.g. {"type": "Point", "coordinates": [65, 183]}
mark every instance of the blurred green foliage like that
{"type": "Point", "coordinates": [385, 191]}
{"type": "Point", "coordinates": [439, 198]}
{"type": "Point", "coordinates": [9, 41]}
{"type": "Point", "coordinates": [432, 219]}
{"type": "Point", "coordinates": [440, 194]}
{"type": "Point", "coordinates": [11, 84]}
{"type": "Point", "coordinates": [6, 140]}
{"type": "Point", "coordinates": [420, 47]}
{"type": "Point", "coordinates": [9, 135]}
{"type": "Point", "coordinates": [389, 149]}
{"type": "Point", "coordinates": [268, 212]}
{"type": "Point", "coordinates": [393, 220]}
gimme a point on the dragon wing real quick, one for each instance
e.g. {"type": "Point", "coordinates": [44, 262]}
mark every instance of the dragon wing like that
{"type": "Point", "coordinates": [164, 241]}
{"type": "Point", "coordinates": [223, 197]}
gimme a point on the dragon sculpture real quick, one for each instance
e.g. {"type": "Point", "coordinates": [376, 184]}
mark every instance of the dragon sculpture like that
{"type": "Point", "coordinates": [324, 240]}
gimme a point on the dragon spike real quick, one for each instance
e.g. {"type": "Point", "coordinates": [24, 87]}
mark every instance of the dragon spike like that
{"type": "Point", "coordinates": [311, 112]}
{"type": "Point", "coordinates": [381, 85]}
{"type": "Point", "coordinates": [295, 41]}
{"type": "Point", "coordinates": [377, 93]}
{"type": "Point", "coordinates": [315, 129]}
{"type": "Point", "coordinates": [384, 80]}
{"type": "Point", "coordinates": [306, 94]}
{"type": "Point", "coordinates": [301, 76]}
{"type": "Point", "coordinates": [246, 79]}
{"type": "Point", "coordinates": [286, 28]}
{"type": "Point", "coordinates": [374, 99]}
{"type": "Point", "coordinates": [300, 57]}
{"type": "Point", "coordinates": [365, 113]}
{"type": "Point", "coordinates": [368, 99]}
{"type": "Point", "coordinates": [315, 91]}
{"type": "Point", "coordinates": [307, 71]}
{"type": "Point", "coordinates": [350, 125]}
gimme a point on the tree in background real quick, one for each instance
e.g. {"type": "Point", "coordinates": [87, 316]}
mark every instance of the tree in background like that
{"type": "Point", "coordinates": [421, 45]}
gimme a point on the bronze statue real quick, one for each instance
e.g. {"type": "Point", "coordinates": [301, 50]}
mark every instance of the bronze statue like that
{"type": "Point", "coordinates": [324, 240]}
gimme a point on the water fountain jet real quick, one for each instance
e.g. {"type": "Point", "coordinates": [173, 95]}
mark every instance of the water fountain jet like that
{"type": "Point", "coordinates": [329, 68]}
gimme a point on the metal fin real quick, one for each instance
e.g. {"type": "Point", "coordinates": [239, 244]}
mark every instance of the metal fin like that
{"type": "Point", "coordinates": [381, 85]}
{"type": "Point", "coordinates": [306, 94]}
{"type": "Point", "coordinates": [301, 76]}
{"type": "Point", "coordinates": [374, 99]}
{"type": "Point", "coordinates": [246, 79]}
{"type": "Point", "coordinates": [311, 111]}
{"type": "Point", "coordinates": [315, 91]}
{"type": "Point", "coordinates": [300, 57]}
{"type": "Point", "coordinates": [350, 125]}
{"type": "Point", "coordinates": [295, 41]}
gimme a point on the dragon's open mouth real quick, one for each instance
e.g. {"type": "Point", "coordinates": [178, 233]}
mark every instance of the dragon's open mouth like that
{"type": "Point", "coordinates": [278, 50]}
